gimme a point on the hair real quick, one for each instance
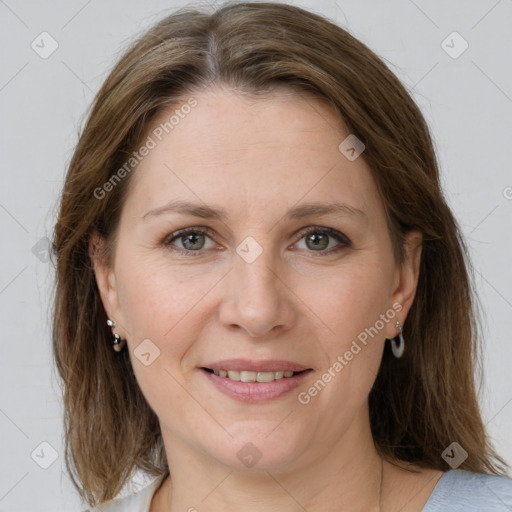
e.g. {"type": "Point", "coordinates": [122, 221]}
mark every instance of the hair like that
{"type": "Point", "coordinates": [420, 403]}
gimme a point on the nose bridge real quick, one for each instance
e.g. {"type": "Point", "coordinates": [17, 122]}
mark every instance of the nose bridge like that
{"type": "Point", "coordinates": [257, 300]}
{"type": "Point", "coordinates": [255, 277]}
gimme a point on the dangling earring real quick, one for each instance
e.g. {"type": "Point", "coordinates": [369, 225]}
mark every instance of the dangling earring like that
{"type": "Point", "coordinates": [398, 348]}
{"type": "Point", "coordinates": [117, 342]}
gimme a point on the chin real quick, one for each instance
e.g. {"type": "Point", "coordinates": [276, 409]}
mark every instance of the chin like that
{"type": "Point", "coordinates": [260, 446]}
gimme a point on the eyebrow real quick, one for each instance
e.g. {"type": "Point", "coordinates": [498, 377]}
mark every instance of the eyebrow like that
{"type": "Point", "coordinates": [296, 213]}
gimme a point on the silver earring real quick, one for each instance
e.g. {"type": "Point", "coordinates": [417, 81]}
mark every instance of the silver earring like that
{"type": "Point", "coordinates": [117, 342]}
{"type": "Point", "coordinates": [398, 348]}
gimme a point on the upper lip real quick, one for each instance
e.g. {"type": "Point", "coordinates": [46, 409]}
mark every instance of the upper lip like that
{"type": "Point", "coordinates": [267, 365]}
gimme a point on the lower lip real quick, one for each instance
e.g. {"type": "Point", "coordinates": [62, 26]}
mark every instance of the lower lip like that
{"type": "Point", "coordinates": [253, 392]}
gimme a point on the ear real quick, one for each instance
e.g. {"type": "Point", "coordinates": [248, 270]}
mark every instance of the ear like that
{"type": "Point", "coordinates": [405, 280]}
{"type": "Point", "coordinates": [106, 281]}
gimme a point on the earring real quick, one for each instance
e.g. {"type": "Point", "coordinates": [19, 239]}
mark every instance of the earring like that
{"type": "Point", "coordinates": [398, 348]}
{"type": "Point", "coordinates": [117, 342]}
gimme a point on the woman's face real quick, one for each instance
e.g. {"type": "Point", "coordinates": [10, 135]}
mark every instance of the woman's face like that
{"type": "Point", "coordinates": [269, 281]}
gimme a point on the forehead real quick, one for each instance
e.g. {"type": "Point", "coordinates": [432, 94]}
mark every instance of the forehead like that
{"type": "Point", "coordinates": [226, 147]}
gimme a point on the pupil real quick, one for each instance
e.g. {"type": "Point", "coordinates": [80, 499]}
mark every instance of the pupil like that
{"type": "Point", "coordinates": [193, 239]}
{"type": "Point", "coordinates": [315, 239]}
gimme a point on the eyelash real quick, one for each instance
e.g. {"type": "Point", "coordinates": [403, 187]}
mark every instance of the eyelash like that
{"type": "Point", "coordinates": [343, 240]}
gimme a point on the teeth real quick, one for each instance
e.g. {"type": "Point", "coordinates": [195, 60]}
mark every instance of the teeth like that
{"type": "Point", "coordinates": [248, 376]}
{"type": "Point", "coordinates": [265, 376]}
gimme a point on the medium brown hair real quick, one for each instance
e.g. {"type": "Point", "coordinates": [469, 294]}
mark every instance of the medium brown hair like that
{"type": "Point", "coordinates": [419, 404]}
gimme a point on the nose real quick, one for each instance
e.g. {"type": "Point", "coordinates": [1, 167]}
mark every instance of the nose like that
{"type": "Point", "coordinates": [257, 298]}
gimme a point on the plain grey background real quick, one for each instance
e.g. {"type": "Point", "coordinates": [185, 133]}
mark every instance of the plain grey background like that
{"type": "Point", "coordinates": [466, 97]}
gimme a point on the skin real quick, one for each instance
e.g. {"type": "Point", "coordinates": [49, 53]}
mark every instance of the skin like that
{"type": "Point", "coordinates": [257, 158]}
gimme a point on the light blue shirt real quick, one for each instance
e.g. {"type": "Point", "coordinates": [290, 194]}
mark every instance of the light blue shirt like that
{"type": "Point", "coordinates": [463, 491]}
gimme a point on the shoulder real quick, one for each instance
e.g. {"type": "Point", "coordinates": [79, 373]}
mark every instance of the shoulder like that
{"type": "Point", "coordinates": [136, 502]}
{"type": "Point", "coordinates": [465, 491]}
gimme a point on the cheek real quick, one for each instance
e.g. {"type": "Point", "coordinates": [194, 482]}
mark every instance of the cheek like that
{"type": "Point", "coordinates": [168, 306]}
{"type": "Point", "coordinates": [156, 297]}
{"type": "Point", "coordinates": [159, 307]}
{"type": "Point", "coordinates": [354, 311]}
{"type": "Point", "coordinates": [349, 301]}
{"type": "Point", "coordinates": [352, 345]}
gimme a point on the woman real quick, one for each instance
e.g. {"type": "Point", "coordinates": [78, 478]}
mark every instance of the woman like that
{"type": "Point", "coordinates": [252, 210]}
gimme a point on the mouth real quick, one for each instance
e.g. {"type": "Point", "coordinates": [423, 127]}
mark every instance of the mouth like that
{"type": "Point", "coordinates": [250, 376]}
{"type": "Point", "coordinates": [244, 382]}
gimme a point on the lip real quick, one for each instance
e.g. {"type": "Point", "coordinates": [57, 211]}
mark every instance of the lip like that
{"type": "Point", "coordinates": [256, 392]}
{"type": "Point", "coordinates": [268, 365]}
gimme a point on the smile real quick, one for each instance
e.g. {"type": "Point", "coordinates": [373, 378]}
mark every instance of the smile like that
{"type": "Point", "coordinates": [249, 376]}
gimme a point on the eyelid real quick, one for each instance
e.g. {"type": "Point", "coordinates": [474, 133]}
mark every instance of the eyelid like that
{"type": "Point", "coordinates": [340, 237]}
{"type": "Point", "coordinates": [185, 231]}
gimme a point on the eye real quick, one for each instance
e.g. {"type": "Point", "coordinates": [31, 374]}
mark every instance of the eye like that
{"type": "Point", "coordinates": [317, 239]}
{"type": "Point", "coordinates": [189, 239]}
